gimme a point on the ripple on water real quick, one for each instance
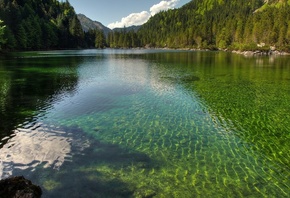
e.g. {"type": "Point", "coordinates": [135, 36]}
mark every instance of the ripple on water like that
{"type": "Point", "coordinates": [38, 144]}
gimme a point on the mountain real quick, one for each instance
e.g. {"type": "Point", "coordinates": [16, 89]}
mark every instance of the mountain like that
{"type": "Point", "coordinates": [205, 24]}
{"type": "Point", "coordinates": [87, 24]}
{"type": "Point", "coordinates": [223, 24]}
{"type": "Point", "coordinates": [135, 28]}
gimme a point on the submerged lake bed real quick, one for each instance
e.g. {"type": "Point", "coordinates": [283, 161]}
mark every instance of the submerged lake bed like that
{"type": "Point", "coordinates": [146, 123]}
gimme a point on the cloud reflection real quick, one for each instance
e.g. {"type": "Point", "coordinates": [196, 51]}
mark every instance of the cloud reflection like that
{"type": "Point", "coordinates": [48, 146]}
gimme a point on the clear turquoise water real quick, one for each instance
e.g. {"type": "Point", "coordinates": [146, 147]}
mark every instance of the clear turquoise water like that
{"type": "Point", "coordinates": [147, 123]}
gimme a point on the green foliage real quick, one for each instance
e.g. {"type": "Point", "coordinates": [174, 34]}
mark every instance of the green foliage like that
{"type": "Point", "coordinates": [123, 39]}
{"type": "Point", "coordinates": [100, 41]}
{"type": "Point", "coordinates": [220, 24]}
{"type": "Point", "coordinates": [211, 24]}
{"type": "Point", "coordinates": [40, 24]}
{"type": "Point", "coordinates": [2, 31]}
{"type": "Point", "coordinates": [90, 38]}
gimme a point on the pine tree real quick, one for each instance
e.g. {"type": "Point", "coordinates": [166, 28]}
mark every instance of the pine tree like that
{"type": "Point", "coordinates": [10, 43]}
{"type": "Point", "coordinates": [21, 37]}
{"type": "Point", "coordinates": [100, 41]}
{"type": "Point", "coordinates": [2, 31]}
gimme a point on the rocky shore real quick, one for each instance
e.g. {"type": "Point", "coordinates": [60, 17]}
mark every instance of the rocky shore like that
{"type": "Point", "coordinates": [258, 52]}
{"type": "Point", "coordinates": [268, 52]}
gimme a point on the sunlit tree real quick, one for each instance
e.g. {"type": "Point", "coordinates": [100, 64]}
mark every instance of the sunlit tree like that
{"type": "Point", "coordinates": [2, 31]}
{"type": "Point", "coordinates": [100, 41]}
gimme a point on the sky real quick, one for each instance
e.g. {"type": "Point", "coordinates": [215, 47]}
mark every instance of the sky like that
{"type": "Point", "coordinates": [120, 13]}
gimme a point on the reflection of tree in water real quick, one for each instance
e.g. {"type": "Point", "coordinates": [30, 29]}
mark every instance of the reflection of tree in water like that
{"type": "Point", "coordinates": [28, 85]}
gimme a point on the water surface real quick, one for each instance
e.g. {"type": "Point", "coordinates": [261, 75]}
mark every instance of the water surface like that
{"type": "Point", "coordinates": [146, 123]}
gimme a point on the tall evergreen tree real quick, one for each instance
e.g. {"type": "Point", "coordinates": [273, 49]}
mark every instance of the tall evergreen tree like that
{"type": "Point", "coordinates": [2, 31]}
{"type": "Point", "coordinates": [21, 37]}
{"type": "Point", "coordinates": [100, 41]}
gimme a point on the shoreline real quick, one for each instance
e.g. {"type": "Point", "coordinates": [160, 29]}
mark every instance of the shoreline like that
{"type": "Point", "coordinates": [256, 52]}
{"type": "Point", "coordinates": [261, 53]}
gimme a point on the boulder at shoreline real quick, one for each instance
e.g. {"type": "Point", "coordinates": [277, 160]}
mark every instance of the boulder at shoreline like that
{"type": "Point", "coordinates": [19, 187]}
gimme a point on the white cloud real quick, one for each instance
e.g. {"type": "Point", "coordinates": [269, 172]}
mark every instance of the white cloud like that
{"type": "Point", "coordinates": [132, 19]}
{"type": "Point", "coordinates": [142, 17]}
{"type": "Point", "coordinates": [163, 5]}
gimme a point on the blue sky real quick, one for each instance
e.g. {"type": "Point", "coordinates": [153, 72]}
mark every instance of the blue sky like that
{"type": "Point", "coordinates": [120, 13]}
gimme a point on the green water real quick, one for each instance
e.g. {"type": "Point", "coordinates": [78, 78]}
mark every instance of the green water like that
{"type": "Point", "coordinates": [146, 123]}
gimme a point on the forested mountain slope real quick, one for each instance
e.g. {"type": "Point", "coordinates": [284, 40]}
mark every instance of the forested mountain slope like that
{"type": "Point", "coordinates": [211, 24]}
{"type": "Point", "coordinates": [40, 24]}
{"type": "Point", "coordinates": [236, 24]}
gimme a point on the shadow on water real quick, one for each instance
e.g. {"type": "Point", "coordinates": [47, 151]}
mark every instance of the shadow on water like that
{"type": "Point", "coordinates": [96, 169]}
{"type": "Point", "coordinates": [64, 161]}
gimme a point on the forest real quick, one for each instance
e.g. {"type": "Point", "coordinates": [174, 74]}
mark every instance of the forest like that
{"type": "Point", "coordinates": [39, 24]}
{"type": "Point", "coordinates": [202, 24]}
{"type": "Point", "coordinates": [233, 24]}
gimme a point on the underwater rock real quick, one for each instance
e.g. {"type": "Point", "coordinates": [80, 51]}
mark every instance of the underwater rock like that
{"type": "Point", "coordinates": [19, 187]}
{"type": "Point", "coordinates": [190, 78]}
{"type": "Point", "coordinates": [97, 129]}
{"type": "Point", "coordinates": [186, 79]}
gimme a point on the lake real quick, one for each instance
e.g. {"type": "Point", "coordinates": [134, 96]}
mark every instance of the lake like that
{"type": "Point", "coordinates": [146, 123]}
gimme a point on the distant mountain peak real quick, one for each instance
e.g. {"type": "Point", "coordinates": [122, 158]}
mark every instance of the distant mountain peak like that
{"type": "Point", "coordinates": [88, 23]}
{"type": "Point", "coordinates": [135, 28]}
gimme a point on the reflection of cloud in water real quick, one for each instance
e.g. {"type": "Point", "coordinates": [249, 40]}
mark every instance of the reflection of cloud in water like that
{"type": "Point", "coordinates": [49, 146]}
{"type": "Point", "coordinates": [138, 73]}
